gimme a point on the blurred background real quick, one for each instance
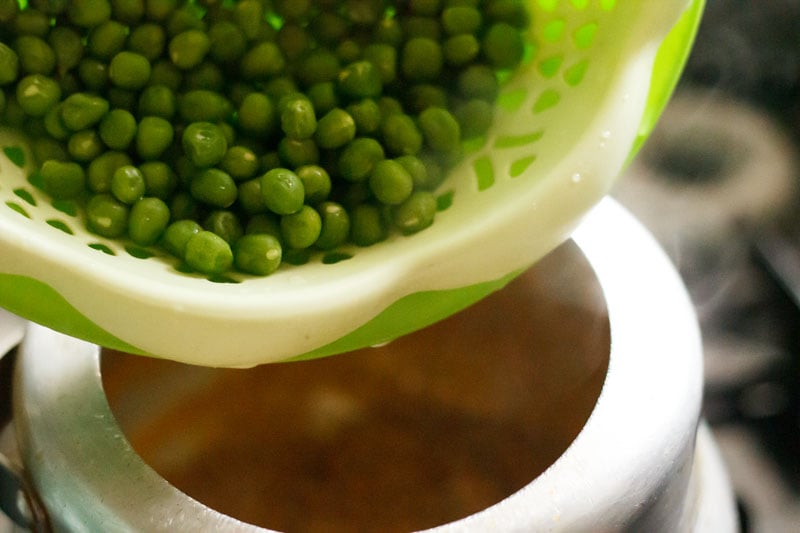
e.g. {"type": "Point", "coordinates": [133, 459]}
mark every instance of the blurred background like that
{"type": "Point", "coordinates": [718, 184]}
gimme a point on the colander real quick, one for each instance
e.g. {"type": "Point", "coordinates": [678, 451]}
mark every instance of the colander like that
{"type": "Point", "coordinates": [596, 77]}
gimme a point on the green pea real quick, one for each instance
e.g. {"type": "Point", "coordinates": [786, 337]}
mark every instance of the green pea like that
{"type": "Point", "coordinates": [503, 46]}
{"type": "Point", "coordinates": [208, 253]}
{"type": "Point", "coordinates": [475, 117]}
{"type": "Point", "coordinates": [148, 40]}
{"type": "Point", "coordinates": [153, 136]}
{"type": "Point", "coordinates": [416, 213]}
{"type": "Point", "coordinates": [335, 226]}
{"type": "Point", "coordinates": [262, 61]}
{"type": "Point", "coordinates": [118, 129]}
{"type": "Point", "coordinates": [147, 221]}
{"type": "Point", "coordinates": [127, 184]}
{"type": "Point", "coordinates": [167, 74]}
{"type": "Point", "coordinates": [268, 223]}
{"type": "Point", "coordinates": [204, 143]}
{"type": "Point", "coordinates": [183, 205]}
{"type": "Point", "coordinates": [390, 182]}
{"type": "Point", "coordinates": [298, 152]}
{"type": "Point", "coordinates": [422, 59]}
{"type": "Point", "coordinates": [388, 31]}
{"type": "Point", "coordinates": [458, 20]}
{"type": "Point", "coordinates": [318, 66]}
{"type": "Point", "coordinates": [360, 79]}
{"type": "Point", "coordinates": [225, 224]}
{"type": "Point", "coordinates": [63, 180]}
{"type": "Point", "coordinates": [440, 129]}
{"type": "Point", "coordinates": [189, 49]}
{"type": "Point", "coordinates": [93, 74]}
{"type": "Point", "coordinates": [401, 135]}
{"type": "Point", "coordinates": [297, 116]}
{"type": "Point", "coordinates": [129, 70]}
{"type": "Point", "coordinates": [421, 27]}
{"type": "Point", "coordinates": [240, 162]}
{"type": "Point", "coordinates": [301, 229]}
{"type": "Point", "coordinates": [367, 116]}
{"type": "Point", "coordinates": [107, 39]}
{"type": "Point", "coordinates": [32, 22]}
{"type": "Point", "coordinates": [85, 145]}
{"type": "Point", "coordinates": [282, 191]}
{"type": "Point", "coordinates": [316, 183]}
{"type": "Point", "coordinates": [250, 198]}
{"type": "Point", "coordinates": [256, 114]}
{"type": "Point", "coordinates": [416, 169]}
{"type": "Point", "coordinates": [157, 101]}
{"type": "Point", "coordinates": [107, 216]}
{"type": "Point", "coordinates": [384, 57]}
{"type": "Point", "coordinates": [177, 235]}
{"type": "Point", "coordinates": [45, 148]}
{"type": "Point", "coordinates": [214, 187]}
{"type": "Point", "coordinates": [323, 96]}
{"type": "Point", "coordinates": [36, 94]}
{"type": "Point", "coordinates": [68, 47]}
{"type": "Point", "coordinates": [9, 10]}
{"type": "Point", "coordinates": [258, 254]}
{"type": "Point", "coordinates": [9, 64]}
{"type": "Point", "coordinates": [201, 105]}
{"type": "Point", "coordinates": [461, 49]}
{"type": "Point", "coordinates": [160, 180]}
{"type": "Point", "coordinates": [248, 14]}
{"type": "Point", "coordinates": [35, 55]}
{"type": "Point", "coordinates": [206, 75]}
{"type": "Point", "coordinates": [186, 17]}
{"type": "Point", "coordinates": [228, 42]}
{"type": "Point", "coordinates": [83, 110]}
{"type": "Point", "coordinates": [127, 11]}
{"type": "Point", "coordinates": [160, 10]}
{"type": "Point", "coordinates": [427, 8]}
{"type": "Point", "coordinates": [335, 129]}
{"type": "Point", "coordinates": [50, 7]}
{"type": "Point", "coordinates": [102, 168]}
{"type": "Point", "coordinates": [328, 27]}
{"type": "Point", "coordinates": [293, 40]}
{"type": "Point", "coordinates": [364, 12]}
{"type": "Point", "coordinates": [367, 226]}
{"type": "Point", "coordinates": [89, 13]}
{"type": "Point", "coordinates": [509, 11]}
{"type": "Point", "coordinates": [358, 158]}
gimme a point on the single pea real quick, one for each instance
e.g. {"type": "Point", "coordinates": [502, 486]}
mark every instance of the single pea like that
{"type": "Point", "coordinates": [118, 129]}
{"type": "Point", "coordinates": [301, 229]}
{"type": "Point", "coordinates": [293, 40]}
{"type": "Point", "coordinates": [9, 10]}
{"type": "Point", "coordinates": [457, 20]}
{"type": "Point", "coordinates": [147, 221]}
{"type": "Point", "coordinates": [85, 145]}
{"type": "Point", "coordinates": [298, 117]}
{"type": "Point", "coordinates": [416, 168]}
{"type": "Point", "coordinates": [262, 61]}
{"type": "Point", "coordinates": [186, 17]}
{"type": "Point", "coordinates": [503, 46]}
{"type": "Point", "coordinates": [35, 55]}
{"type": "Point", "coordinates": [475, 116]}
{"type": "Point", "coordinates": [366, 115]}
{"type": "Point", "coordinates": [426, 8]}
{"type": "Point", "coordinates": [364, 13]}
{"type": "Point", "coordinates": [207, 75]}
{"type": "Point", "coordinates": [107, 216]}
{"type": "Point", "coordinates": [323, 96]}
{"type": "Point", "coordinates": [256, 114]}
{"type": "Point", "coordinates": [316, 183]}
{"type": "Point", "coordinates": [248, 14]}
{"type": "Point", "coordinates": [335, 129]}
{"type": "Point", "coordinates": [250, 198]}
{"type": "Point", "coordinates": [127, 184]}
{"type": "Point", "coordinates": [159, 178]}
{"type": "Point", "coordinates": [50, 7]}
{"type": "Point", "coordinates": [68, 47]}
{"type": "Point", "coordinates": [107, 39]}
{"type": "Point", "coordinates": [388, 106]}
{"type": "Point", "coordinates": [63, 180]}
{"type": "Point", "coordinates": [421, 96]}
{"type": "Point", "coordinates": [296, 152]}
{"type": "Point", "coordinates": [214, 187]}
{"type": "Point", "coordinates": [318, 66]}
{"type": "Point", "coordinates": [37, 93]}
{"type": "Point", "coordinates": [157, 101]}
{"type": "Point", "coordinates": [268, 223]}
{"type": "Point", "coordinates": [89, 13]}
{"type": "Point", "coordinates": [390, 182]}
{"type": "Point", "coordinates": [440, 129]}
{"type": "Point", "coordinates": [129, 70]}
{"type": "Point", "coordinates": [335, 225]}
{"type": "Point", "coordinates": [416, 213]}
{"type": "Point", "coordinates": [282, 191]}
{"type": "Point", "coordinates": [177, 235]}
{"type": "Point", "coordinates": [367, 226]}
{"type": "Point", "coordinates": [240, 162]}
{"type": "Point", "coordinates": [201, 105]}
{"type": "Point", "coordinates": [127, 11]}
{"type": "Point", "coordinates": [167, 74]}
{"type": "Point", "coordinates": [421, 59]}
{"type": "Point", "coordinates": [83, 110]}
{"type": "Point", "coordinates": [401, 135]}
{"type": "Point", "coordinates": [9, 64]}
{"type": "Point", "coordinates": [153, 136]}
{"type": "Point", "coordinates": [460, 50]}
{"type": "Point", "coordinates": [388, 31]}
{"type": "Point", "coordinates": [224, 223]}
{"type": "Point", "coordinates": [384, 57]}
{"type": "Point", "coordinates": [208, 253]}
{"type": "Point", "coordinates": [93, 74]}
{"type": "Point", "coordinates": [32, 22]}
{"type": "Point", "coordinates": [259, 254]}
{"type": "Point", "coordinates": [189, 49]}
{"type": "Point", "coordinates": [102, 168]}
{"type": "Point", "coordinates": [148, 40]}
{"type": "Point", "coordinates": [228, 42]}
{"type": "Point", "coordinates": [358, 158]}
{"type": "Point", "coordinates": [204, 143]}
{"type": "Point", "coordinates": [509, 11]}
{"type": "Point", "coordinates": [159, 10]}
{"type": "Point", "coordinates": [360, 79]}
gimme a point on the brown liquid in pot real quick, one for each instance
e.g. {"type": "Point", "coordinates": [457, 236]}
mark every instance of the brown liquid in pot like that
{"type": "Point", "coordinates": [428, 429]}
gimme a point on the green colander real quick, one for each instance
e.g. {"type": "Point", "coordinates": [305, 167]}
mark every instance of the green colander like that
{"type": "Point", "coordinates": [598, 75]}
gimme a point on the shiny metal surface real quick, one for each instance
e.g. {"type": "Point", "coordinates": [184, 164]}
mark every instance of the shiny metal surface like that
{"type": "Point", "coordinates": [633, 467]}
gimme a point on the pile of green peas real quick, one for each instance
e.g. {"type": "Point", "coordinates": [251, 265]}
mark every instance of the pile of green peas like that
{"type": "Point", "coordinates": [233, 133]}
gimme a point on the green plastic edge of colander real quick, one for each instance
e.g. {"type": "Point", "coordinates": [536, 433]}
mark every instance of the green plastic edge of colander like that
{"type": "Point", "coordinates": [407, 314]}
